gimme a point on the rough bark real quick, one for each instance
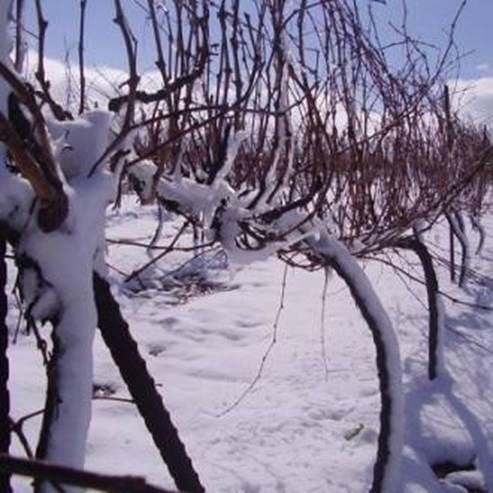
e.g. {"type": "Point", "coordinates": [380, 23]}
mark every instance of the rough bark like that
{"type": "Point", "coordinates": [115, 332]}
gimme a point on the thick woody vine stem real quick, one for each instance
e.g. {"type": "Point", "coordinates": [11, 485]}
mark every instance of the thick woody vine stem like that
{"type": "Point", "coordinates": [4, 370]}
{"type": "Point", "coordinates": [30, 148]}
{"type": "Point", "coordinates": [386, 469]}
{"type": "Point", "coordinates": [115, 332]}
{"type": "Point", "coordinates": [44, 471]}
{"type": "Point", "coordinates": [435, 308]}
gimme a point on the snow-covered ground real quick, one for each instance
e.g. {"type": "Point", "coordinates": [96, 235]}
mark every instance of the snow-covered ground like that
{"type": "Point", "coordinates": [310, 422]}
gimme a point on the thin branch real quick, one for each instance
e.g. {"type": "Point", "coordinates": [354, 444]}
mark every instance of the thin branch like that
{"type": "Point", "coordinates": [267, 352]}
{"type": "Point", "coordinates": [60, 474]}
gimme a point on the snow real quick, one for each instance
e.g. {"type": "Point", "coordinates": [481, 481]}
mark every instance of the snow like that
{"type": "Point", "coordinates": [84, 139]}
{"type": "Point", "coordinates": [222, 210]}
{"type": "Point", "coordinates": [69, 295]}
{"type": "Point", "coordinates": [269, 372]}
{"type": "Point", "coordinates": [296, 430]}
{"type": "Point", "coordinates": [53, 285]}
{"type": "Point", "coordinates": [233, 146]}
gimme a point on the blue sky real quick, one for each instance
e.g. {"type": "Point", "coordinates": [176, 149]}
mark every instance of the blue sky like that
{"type": "Point", "coordinates": [430, 19]}
{"type": "Point", "coordinates": [427, 20]}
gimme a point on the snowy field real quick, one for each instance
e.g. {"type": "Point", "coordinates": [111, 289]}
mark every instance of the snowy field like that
{"type": "Point", "coordinates": [310, 421]}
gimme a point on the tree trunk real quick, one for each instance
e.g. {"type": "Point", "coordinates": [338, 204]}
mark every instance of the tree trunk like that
{"type": "Point", "coordinates": [4, 370]}
{"type": "Point", "coordinates": [115, 332]}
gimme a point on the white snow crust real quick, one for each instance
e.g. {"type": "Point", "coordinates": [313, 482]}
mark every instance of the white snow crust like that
{"type": "Point", "coordinates": [296, 430]}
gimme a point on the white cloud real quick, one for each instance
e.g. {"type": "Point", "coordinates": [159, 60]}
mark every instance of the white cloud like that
{"type": "Point", "coordinates": [102, 82]}
{"type": "Point", "coordinates": [483, 67]}
{"type": "Point", "coordinates": [474, 98]}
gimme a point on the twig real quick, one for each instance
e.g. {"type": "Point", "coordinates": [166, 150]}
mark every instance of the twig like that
{"type": "Point", "coordinates": [267, 352]}
{"type": "Point", "coordinates": [82, 78]}
{"type": "Point", "coordinates": [322, 322]}
{"type": "Point", "coordinates": [170, 247]}
{"type": "Point", "coordinates": [109, 398]}
{"type": "Point", "coordinates": [16, 427]}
